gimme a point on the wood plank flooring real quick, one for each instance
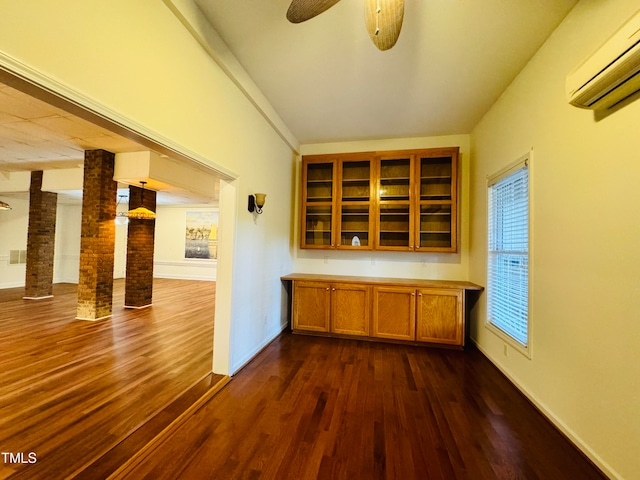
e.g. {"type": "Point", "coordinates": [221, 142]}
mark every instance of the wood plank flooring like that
{"type": "Point", "coordinates": [318, 408]}
{"type": "Point", "coordinates": [71, 390]}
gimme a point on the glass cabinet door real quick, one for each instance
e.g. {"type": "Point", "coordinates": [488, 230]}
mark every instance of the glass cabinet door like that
{"type": "Point", "coordinates": [437, 203]}
{"type": "Point", "coordinates": [394, 204]}
{"type": "Point", "coordinates": [318, 199]}
{"type": "Point", "coordinates": [355, 204]}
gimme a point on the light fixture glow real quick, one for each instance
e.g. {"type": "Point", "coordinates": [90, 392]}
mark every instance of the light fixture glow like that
{"type": "Point", "coordinates": [141, 212]}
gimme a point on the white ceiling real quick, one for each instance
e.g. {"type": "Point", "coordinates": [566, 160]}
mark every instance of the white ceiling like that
{"type": "Point", "coordinates": [35, 135]}
{"type": "Point", "coordinates": [325, 78]}
{"type": "Point", "coordinates": [328, 82]}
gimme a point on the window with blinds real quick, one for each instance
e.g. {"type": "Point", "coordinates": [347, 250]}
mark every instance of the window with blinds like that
{"type": "Point", "coordinates": [508, 251]}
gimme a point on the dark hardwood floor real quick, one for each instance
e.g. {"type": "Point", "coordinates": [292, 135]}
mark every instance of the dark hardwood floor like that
{"type": "Point", "coordinates": [71, 391]}
{"type": "Point", "coordinates": [318, 408]}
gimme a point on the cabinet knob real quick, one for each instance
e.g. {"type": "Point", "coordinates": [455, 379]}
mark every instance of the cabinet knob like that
{"type": "Point", "coordinates": [413, 294]}
{"type": "Point", "coordinates": [333, 289]}
{"type": "Point", "coordinates": [327, 289]}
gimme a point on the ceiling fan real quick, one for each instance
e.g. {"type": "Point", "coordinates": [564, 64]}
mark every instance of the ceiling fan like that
{"type": "Point", "coordinates": [383, 18]}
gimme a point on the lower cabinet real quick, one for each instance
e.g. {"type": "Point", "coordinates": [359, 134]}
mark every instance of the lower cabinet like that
{"type": "Point", "coordinates": [440, 316]}
{"type": "Point", "coordinates": [350, 309]}
{"type": "Point", "coordinates": [311, 306]}
{"type": "Point", "coordinates": [394, 313]}
{"type": "Point", "coordinates": [331, 308]}
{"type": "Point", "coordinates": [424, 311]}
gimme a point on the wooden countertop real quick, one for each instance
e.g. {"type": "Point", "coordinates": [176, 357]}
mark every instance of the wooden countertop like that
{"type": "Point", "coordinates": [416, 282]}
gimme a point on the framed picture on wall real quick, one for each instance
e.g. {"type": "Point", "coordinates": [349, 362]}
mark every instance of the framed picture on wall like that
{"type": "Point", "coordinates": [201, 235]}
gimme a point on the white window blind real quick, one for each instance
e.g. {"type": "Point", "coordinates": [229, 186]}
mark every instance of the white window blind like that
{"type": "Point", "coordinates": [508, 244]}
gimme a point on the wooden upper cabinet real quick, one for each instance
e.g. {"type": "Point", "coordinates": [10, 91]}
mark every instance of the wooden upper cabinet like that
{"type": "Point", "coordinates": [436, 205]}
{"type": "Point", "coordinates": [318, 203]}
{"type": "Point", "coordinates": [395, 222]}
{"type": "Point", "coordinates": [355, 202]}
{"type": "Point", "coordinates": [403, 200]}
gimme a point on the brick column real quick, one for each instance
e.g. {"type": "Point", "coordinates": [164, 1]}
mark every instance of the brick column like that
{"type": "Point", "coordinates": [97, 242]}
{"type": "Point", "coordinates": [41, 238]}
{"type": "Point", "coordinates": [140, 243]}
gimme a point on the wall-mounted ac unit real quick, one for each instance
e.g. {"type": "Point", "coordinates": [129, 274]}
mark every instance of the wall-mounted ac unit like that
{"type": "Point", "coordinates": [611, 74]}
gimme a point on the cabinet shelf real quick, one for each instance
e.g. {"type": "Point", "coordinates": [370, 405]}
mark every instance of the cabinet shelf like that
{"type": "Point", "coordinates": [319, 199]}
{"type": "Point", "coordinates": [355, 199]}
{"type": "Point", "coordinates": [395, 180]}
{"type": "Point", "coordinates": [355, 180]}
{"type": "Point", "coordinates": [436, 177]}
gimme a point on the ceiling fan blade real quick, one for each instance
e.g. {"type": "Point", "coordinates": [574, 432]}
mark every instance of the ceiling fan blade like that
{"type": "Point", "coordinates": [384, 21]}
{"type": "Point", "coordinates": [301, 10]}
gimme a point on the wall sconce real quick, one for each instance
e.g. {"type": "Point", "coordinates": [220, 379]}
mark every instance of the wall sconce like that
{"type": "Point", "coordinates": [4, 206]}
{"type": "Point", "coordinates": [256, 202]}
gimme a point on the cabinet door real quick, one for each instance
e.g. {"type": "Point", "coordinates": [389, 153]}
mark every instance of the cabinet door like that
{"type": "Point", "coordinates": [394, 313]}
{"type": "Point", "coordinates": [318, 203]}
{"type": "Point", "coordinates": [395, 218]}
{"type": "Point", "coordinates": [437, 200]}
{"type": "Point", "coordinates": [311, 306]}
{"type": "Point", "coordinates": [355, 220]}
{"type": "Point", "coordinates": [350, 309]}
{"type": "Point", "coordinates": [440, 318]}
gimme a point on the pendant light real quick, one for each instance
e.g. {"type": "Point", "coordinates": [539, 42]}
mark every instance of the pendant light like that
{"type": "Point", "coordinates": [122, 218]}
{"type": "Point", "coordinates": [141, 213]}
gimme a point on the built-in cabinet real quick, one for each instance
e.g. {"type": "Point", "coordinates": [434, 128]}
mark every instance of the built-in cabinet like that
{"type": "Point", "coordinates": [398, 200]}
{"type": "Point", "coordinates": [411, 310]}
{"type": "Point", "coordinates": [322, 306]}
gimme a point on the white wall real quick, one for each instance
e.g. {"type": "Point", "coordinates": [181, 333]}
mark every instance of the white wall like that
{"type": "Point", "coordinates": [169, 261]}
{"type": "Point", "coordinates": [66, 262]}
{"type": "Point", "coordinates": [585, 259]}
{"type": "Point", "coordinates": [13, 236]}
{"type": "Point", "coordinates": [136, 61]}
{"type": "Point", "coordinates": [437, 266]}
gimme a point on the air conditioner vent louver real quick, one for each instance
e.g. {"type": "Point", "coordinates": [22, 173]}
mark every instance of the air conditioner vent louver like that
{"type": "Point", "coordinates": [611, 74]}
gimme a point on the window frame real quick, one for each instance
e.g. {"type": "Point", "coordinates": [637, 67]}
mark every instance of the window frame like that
{"type": "Point", "coordinates": [522, 162]}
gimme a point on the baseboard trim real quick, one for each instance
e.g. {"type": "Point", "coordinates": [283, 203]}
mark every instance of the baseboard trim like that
{"type": "Point", "coordinates": [560, 427]}
{"type": "Point", "coordinates": [93, 319]}
{"type": "Point", "coordinates": [249, 358]}
{"type": "Point", "coordinates": [37, 298]}
{"type": "Point", "coordinates": [127, 468]}
{"type": "Point", "coordinates": [138, 308]}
